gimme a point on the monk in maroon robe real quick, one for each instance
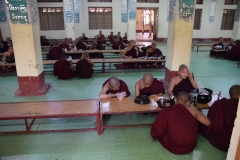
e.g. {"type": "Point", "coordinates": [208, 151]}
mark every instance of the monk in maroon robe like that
{"type": "Point", "coordinates": [3, 46]}
{"type": "Point", "coordinates": [125, 38]}
{"type": "Point", "coordinates": [234, 53]}
{"type": "Point", "coordinates": [80, 44]}
{"type": "Point", "coordinates": [176, 127]}
{"type": "Point", "coordinates": [65, 44]}
{"type": "Point", "coordinates": [130, 52]}
{"type": "Point", "coordinates": [219, 43]}
{"type": "Point", "coordinates": [222, 115]}
{"type": "Point", "coordinates": [84, 66]}
{"type": "Point", "coordinates": [149, 86]}
{"type": "Point", "coordinates": [44, 41]}
{"type": "Point", "coordinates": [64, 69]}
{"type": "Point", "coordinates": [111, 38]}
{"type": "Point", "coordinates": [96, 46]}
{"type": "Point", "coordinates": [184, 81]}
{"type": "Point", "coordinates": [112, 86]}
{"type": "Point", "coordinates": [55, 53]}
{"type": "Point", "coordinates": [118, 44]}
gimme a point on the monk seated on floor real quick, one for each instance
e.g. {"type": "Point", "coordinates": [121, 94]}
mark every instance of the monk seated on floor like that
{"type": "Point", "coordinates": [96, 46]}
{"type": "Point", "coordinates": [234, 53]}
{"type": "Point", "coordinates": [184, 81]}
{"type": "Point", "coordinates": [222, 115]}
{"type": "Point", "coordinates": [80, 44]}
{"type": "Point", "coordinates": [101, 37]}
{"type": "Point", "coordinates": [118, 44]}
{"type": "Point", "coordinates": [111, 38]}
{"type": "Point", "coordinates": [149, 86]}
{"type": "Point", "coordinates": [3, 46]}
{"type": "Point", "coordinates": [44, 41]}
{"type": "Point", "coordinates": [55, 53]}
{"type": "Point", "coordinates": [8, 57]}
{"type": "Point", "coordinates": [176, 127]}
{"type": "Point", "coordinates": [125, 38]}
{"type": "Point", "coordinates": [217, 45]}
{"type": "Point", "coordinates": [64, 69]}
{"type": "Point", "coordinates": [65, 45]}
{"type": "Point", "coordinates": [130, 52]}
{"type": "Point", "coordinates": [112, 86]}
{"type": "Point", "coordinates": [119, 35]}
{"type": "Point", "coordinates": [85, 39]}
{"type": "Point", "coordinates": [84, 66]}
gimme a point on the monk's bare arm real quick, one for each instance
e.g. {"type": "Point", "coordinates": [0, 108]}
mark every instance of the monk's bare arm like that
{"type": "Point", "coordinates": [199, 116]}
{"type": "Point", "coordinates": [149, 50]}
{"type": "Point", "coordinates": [103, 93]}
{"type": "Point", "coordinates": [171, 86]}
{"type": "Point", "coordinates": [137, 88]}
{"type": "Point", "coordinates": [212, 46]}
{"type": "Point", "coordinates": [194, 84]}
{"type": "Point", "coordinates": [136, 50]}
{"type": "Point", "coordinates": [5, 55]}
{"type": "Point", "coordinates": [124, 53]}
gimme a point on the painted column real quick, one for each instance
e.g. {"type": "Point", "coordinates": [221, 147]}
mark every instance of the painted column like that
{"type": "Point", "coordinates": [131, 31]}
{"type": "Point", "coordinates": [24, 27]}
{"type": "Point", "coordinates": [179, 41]}
{"type": "Point", "coordinates": [236, 28]}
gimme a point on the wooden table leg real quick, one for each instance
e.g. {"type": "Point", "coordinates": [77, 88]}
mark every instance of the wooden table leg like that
{"type": "Point", "coordinates": [197, 48]}
{"type": "Point", "coordinates": [103, 67]}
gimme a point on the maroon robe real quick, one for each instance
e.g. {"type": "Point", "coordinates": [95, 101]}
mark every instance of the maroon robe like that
{"type": "Point", "coordinates": [62, 69]}
{"type": "Point", "coordinates": [155, 53]}
{"type": "Point", "coordinates": [132, 53]}
{"type": "Point", "coordinates": [81, 45]}
{"type": "Point", "coordinates": [123, 88]}
{"type": "Point", "coordinates": [234, 53]}
{"type": "Point", "coordinates": [118, 45]}
{"type": "Point", "coordinates": [97, 55]}
{"type": "Point", "coordinates": [111, 39]}
{"type": "Point", "coordinates": [84, 69]}
{"type": "Point", "coordinates": [183, 86]}
{"type": "Point", "coordinates": [65, 45]}
{"type": "Point", "coordinates": [213, 53]}
{"type": "Point", "coordinates": [222, 115]}
{"type": "Point", "coordinates": [55, 53]}
{"type": "Point", "coordinates": [155, 88]}
{"type": "Point", "coordinates": [176, 129]}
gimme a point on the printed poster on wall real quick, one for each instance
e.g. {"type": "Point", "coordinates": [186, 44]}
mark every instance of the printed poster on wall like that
{"type": "Point", "coordinates": [124, 10]}
{"type": "Point", "coordinates": [3, 15]}
{"type": "Point", "coordinates": [131, 9]}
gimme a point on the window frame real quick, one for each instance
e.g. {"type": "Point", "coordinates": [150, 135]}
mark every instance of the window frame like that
{"type": "Point", "coordinates": [232, 3]}
{"type": "Point", "coordinates": [227, 17]}
{"type": "Point", "coordinates": [200, 18]}
{"type": "Point", "coordinates": [99, 1]}
{"type": "Point", "coordinates": [198, 2]}
{"type": "Point", "coordinates": [147, 1]}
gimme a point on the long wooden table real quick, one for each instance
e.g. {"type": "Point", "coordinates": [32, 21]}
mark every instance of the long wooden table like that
{"type": "Point", "coordinates": [51, 109]}
{"type": "Point", "coordinates": [128, 106]}
{"type": "Point", "coordinates": [200, 45]}
{"type": "Point", "coordinates": [218, 51]}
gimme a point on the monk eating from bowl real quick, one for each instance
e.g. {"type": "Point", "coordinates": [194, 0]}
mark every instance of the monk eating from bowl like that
{"type": "Point", "coordinates": [176, 127]}
{"type": "Point", "coordinates": [149, 86]}
{"type": "Point", "coordinates": [184, 81]}
{"type": "Point", "coordinates": [112, 87]}
{"type": "Point", "coordinates": [222, 115]}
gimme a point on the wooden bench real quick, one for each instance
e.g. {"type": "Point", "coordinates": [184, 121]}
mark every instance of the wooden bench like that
{"type": "Point", "coordinates": [128, 106]}
{"type": "Point", "coordinates": [200, 45]}
{"type": "Point", "coordinates": [239, 62]}
{"type": "Point", "coordinates": [217, 52]}
{"type": "Point", "coordinates": [30, 111]}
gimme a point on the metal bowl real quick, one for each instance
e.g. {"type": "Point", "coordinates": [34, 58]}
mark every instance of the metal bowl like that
{"type": "Point", "coordinates": [204, 99]}
{"type": "Point", "coordinates": [142, 99]}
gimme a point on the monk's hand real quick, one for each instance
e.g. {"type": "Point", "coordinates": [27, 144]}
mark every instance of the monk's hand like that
{"type": "Point", "coordinates": [190, 75]}
{"type": "Point", "coordinates": [124, 94]}
{"type": "Point", "coordinates": [129, 56]}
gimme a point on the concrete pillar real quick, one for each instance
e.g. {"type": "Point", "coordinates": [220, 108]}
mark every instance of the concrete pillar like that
{"type": "Point", "coordinates": [131, 30]}
{"type": "Point", "coordinates": [179, 40]}
{"type": "Point", "coordinates": [131, 27]}
{"type": "Point", "coordinates": [236, 27]}
{"type": "Point", "coordinates": [70, 30]}
{"type": "Point", "coordinates": [24, 27]}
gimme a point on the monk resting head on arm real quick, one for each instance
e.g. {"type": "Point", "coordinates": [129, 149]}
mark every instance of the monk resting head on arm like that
{"type": "Point", "coordinates": [149, 86]}
{"type": "Point", "coordinates": [184, 81]}
{"type": "Point", "coordinates": [112, 86]}
{"type": "Point", "coordinates": [184, 98]}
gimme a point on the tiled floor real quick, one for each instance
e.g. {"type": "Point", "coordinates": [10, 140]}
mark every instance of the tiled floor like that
{"type": "Point", "coordinates": [125, 144]}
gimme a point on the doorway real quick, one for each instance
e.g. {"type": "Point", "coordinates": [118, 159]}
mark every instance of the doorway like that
{"type": "Point", "coordinates": [146, 24]}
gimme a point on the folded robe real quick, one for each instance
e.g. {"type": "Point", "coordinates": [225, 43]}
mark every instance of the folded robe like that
{"type": "Point", "coordinates": [62, 69]}
{"type": "Point", "coordinates": [234, 53]}
{"type": "Point", "coordinates": [123, 88]}
{"type": "Point", "coordinates": [155, 88]}
{"type": "Point", "coordinates": [222, 115]}
{"type": "Point", "coordinates": [185, 85]}
{"type": "Point", "coordinates": [55, 53]}
{"type": "Point", "coordinates": [84, 68]}
{"type": "Point", "coordinates": [176, 129]}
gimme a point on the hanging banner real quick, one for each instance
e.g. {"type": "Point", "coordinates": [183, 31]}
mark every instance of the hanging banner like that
{"type": "Point", "coordinates": [171, 10]}
{"type": "Point", "coordinates": [186, 9]}
{"type": "Point", "coordinates": [132, 9]}
{"type": "Point", "coordinates": [69, 14]}
{"type": "Point", "coordinates": [124, 11]}
{"type": "Point", "coordinates": [212, 10]}
{"type": "Point", "coordinates": [34, 11]}
{"type": "Point", "coordinates": [3, 15]}
{"type": "Point", "coordinates": [76, 11]}
{"type": "Point", "coordinates": [238, 13]}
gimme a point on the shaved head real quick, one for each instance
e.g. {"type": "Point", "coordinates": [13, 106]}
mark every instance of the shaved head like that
{"type": "Point", "coordinates": [148, 77]}
{"type": "Point", "coordinates": [55, 42]}
{"type": "Point", "coordinates": [183, 97]}
{"type": "Point", "coordinates": [85, 54]}
{"type": "Point", "coordinates": [234, 91]}
{"type": "Point", "coordinates": [114, 82]}
{"type": "Point", "coordinates": [183, 66]}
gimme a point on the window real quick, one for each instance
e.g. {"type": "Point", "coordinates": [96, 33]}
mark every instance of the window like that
{"type": "Point", "coordinates": [99, 0]}
{"type": "Point", "coordinates": [199, 2]}
{"type": "Point", "coordinates": [231, 2]}
{"type": "Point", "coordinates": [197, 19]}
{"type": "Point", "coordinates": [49, 0]}
{"type": "Point", "coordinates": [228, 19]}
{"type": "Point", "coordinates": [148, 1]}
{"type": "Point", "coordinates": [100, 18]}
{"type": "Point", "coordinates": [51, 18]}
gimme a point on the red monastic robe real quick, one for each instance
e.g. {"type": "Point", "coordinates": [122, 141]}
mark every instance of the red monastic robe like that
{"type": "Point", "coordinates": [222, 115]}
{"type": "Point", "coordinates": [55, 53]}
{"type": "Point", "coordinates": [185, 85]}
{"type": "Point", "coordinates": [234, 53]}
{"type": "Point", "coordinates": [176, 129]}
{"type": "Point", "coordinates": [84, 69]}
{"type": "Point", "coordinates": [123, 88]}
{"type": "Point", "coordinates": [156, 53]}
{"type": "Point", "coordinates": [118, 45]}
{"type": "Point", "coordinates": [62, 69]}
{"type": "Point", "coordinates": [155, 88]}
{"type": "Point", "coordinates": [81, 45]}
{"type": "Point", "coordinates": [65, 45]}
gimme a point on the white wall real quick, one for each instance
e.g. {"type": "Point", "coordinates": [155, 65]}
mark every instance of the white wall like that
{"type": "Point", "coordinates": [208, 30]}
{"type": "Point", "coordinates": [212, 30]}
